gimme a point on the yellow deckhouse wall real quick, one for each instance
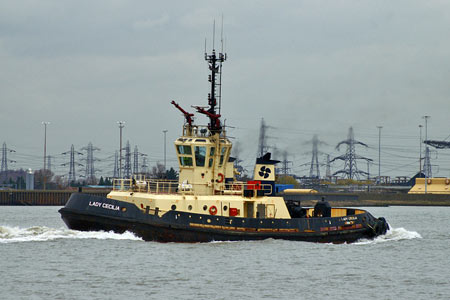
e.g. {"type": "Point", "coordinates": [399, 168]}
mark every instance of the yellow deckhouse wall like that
{"type": "Point", "coordinates": [434, 186]}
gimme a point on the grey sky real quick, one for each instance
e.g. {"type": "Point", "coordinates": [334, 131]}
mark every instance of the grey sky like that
{"type": "Point", "coordinates": [305, 66]}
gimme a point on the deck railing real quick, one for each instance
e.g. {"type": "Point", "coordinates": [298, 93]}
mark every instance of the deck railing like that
{"type": "Point", "coordinates": [199, 131]}
{"type": "Point", "coordinates": [160, 186]}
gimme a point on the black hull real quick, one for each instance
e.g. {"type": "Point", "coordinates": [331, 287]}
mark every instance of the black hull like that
{"type": "Point", "coordinates": [174, 226]}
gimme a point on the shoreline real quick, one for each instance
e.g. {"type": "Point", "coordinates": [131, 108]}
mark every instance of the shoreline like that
{"type": "Point", "coordinates": [60, 197]}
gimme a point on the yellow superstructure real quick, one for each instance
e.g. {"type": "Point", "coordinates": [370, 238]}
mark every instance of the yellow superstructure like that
{"type": "Point", "coordinates": [206, 183]}
{"type": "Point", "coordinates": [159, 197]}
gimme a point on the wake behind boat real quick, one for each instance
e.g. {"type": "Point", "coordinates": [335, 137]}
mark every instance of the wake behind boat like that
{"type": "Point", "coordinates": [207, 203]}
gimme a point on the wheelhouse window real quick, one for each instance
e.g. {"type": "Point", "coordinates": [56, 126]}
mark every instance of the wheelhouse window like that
{"type": "Point", "coordinates": [183, 149]}
{"type": "Point", "coordinates": [200, 156]}
{"type": "Point", "coordinates": [222, 155]}
{"type": "Point", "coordinates": [185, 155]}
{"type": "Point", "coordinates": [211, 156]}
{"type": "Point", "coordinates": [186, 161]}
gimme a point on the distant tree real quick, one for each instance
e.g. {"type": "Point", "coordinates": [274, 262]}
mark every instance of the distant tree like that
{"type": "Point", "coordinates": [39, 176]}
{"type": "Point", "coordinates": [287, 180]}
{"type": "Point", "coordinates": [158, 171]}
{"type": "Point", "coordinates": [20, 182]}
{"type": "Point", "coordinates": [101, 181]}
{"type": "Point", "coordinates": [76, 183]}
{"type": "Point", "coordinates": [59, 182]}
{"type": "Point", "coordinates": [171, 174]}
{"type": "Point", "coordinates": [108, 182]}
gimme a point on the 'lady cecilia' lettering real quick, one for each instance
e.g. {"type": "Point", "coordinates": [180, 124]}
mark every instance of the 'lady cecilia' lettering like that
{"type": "Point", "coordinates": [104, 205]}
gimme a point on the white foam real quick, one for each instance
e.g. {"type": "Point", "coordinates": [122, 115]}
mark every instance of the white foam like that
{"type": "Point", "coordinates": [393, 234]}
{"type": "Point", "coordinates": [42, 233]}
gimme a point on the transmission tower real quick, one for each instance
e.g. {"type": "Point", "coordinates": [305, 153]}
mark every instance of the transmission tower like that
{"type": "Point", "coordinates": [72, 163]}
{"type": "Point", "coordinates": [285, 163]}
{"type": "Point", "coordinates": [127, 167]}
{"type": "Point", "coordinates": [90, 170]}
{"type": "Point", "coordinates": [262, 142]}
{"type": "Point", "coordinates": [328, 170]}
{"type": "Point", "coordinates": [116, 165]}
{"type": "Point", "coordinates": [5, 160]}
{"type": "Point", "coordinates": [350, 169]}
{"type": "Point", "coordinates": [49, 163]}
{"type": "Point", "coordinates": [135, 160]}
{"type": "Point", "coordinates": [236, 150]}
{"type": "Point", "coordinates": [136, 155]}
{"type": "Point", "coordinates": [427, 163]}
{"type": "Point", "coordinates": [144, 166]}
{"type": "Point", "coordinates": [314, 171]}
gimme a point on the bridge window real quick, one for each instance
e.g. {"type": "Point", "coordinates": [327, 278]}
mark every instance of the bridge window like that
{"type": "Point", "coordinates": [182, 149]}
{"type": "Point", "coordinates": [211, 156]}
{"type": "Point", "coordinates": [222, 155]}
{"type": "Point", "coordinates": [186, 161]}
{"type": "Point", "coordinates": [200, 155]}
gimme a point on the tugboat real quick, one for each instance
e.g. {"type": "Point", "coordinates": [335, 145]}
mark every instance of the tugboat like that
{"type": "Point", "coordinates": [206, 203]}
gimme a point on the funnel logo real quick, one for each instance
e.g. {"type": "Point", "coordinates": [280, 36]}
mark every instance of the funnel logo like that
{"type": "Point", "coordinates": [264, 172]}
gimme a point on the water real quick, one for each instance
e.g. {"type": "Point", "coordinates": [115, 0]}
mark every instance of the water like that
{"type": "Point", "coordinates": [41, 259]}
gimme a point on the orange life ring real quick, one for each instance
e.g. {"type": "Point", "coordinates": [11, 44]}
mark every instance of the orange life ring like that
{"type": "Point", "coordinates": [213, 210]}
{"type": "Point", "coordinates": [447, 181]}
{"type": "Point", "coordinates": [220, 175]}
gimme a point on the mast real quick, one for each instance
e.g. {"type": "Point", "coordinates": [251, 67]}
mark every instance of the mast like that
{"type": "Point", "coordinates": [215, 66]}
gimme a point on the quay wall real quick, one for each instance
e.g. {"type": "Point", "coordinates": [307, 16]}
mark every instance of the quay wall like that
{"type": "Point", "coordinates": [60, 197]}
{"type": "Point", "coordinates": [377, 199]}
{"type": "Point", "coordinates": [40, 197]}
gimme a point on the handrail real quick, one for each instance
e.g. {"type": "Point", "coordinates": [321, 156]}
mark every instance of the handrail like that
{"type": "Point", "coordinates": [198, 131]}
{"type": "Point", "coordinates": [161, 186]}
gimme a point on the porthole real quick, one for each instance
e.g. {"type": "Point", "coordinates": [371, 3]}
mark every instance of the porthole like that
{"type": "Point", "coordinates": [208, 220]}
{"type": "Point", "coordinates": [173, 207]}
{"type": "Point", "coordinates": [190, 207]}
{"type": "Point", "coordinates": [205, 207]}
{"type": "Point", "coordinates": [225, 208]}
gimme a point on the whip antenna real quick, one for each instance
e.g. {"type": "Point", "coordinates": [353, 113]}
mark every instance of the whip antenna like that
{"type": "Point", "coordinates": [220, 68]}
{"type": "Point", "coordinates": [214, 33]}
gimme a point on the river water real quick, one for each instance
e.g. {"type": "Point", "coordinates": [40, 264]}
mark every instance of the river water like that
{"type": "Point", "coordinates": [42, 259]}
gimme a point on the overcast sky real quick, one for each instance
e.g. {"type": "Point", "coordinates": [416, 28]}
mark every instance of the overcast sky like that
{"type": "Point", "coordinates": [306, 67]}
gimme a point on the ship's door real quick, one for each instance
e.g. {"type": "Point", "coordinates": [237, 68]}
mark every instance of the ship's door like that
{"type": "Point", "coordinates": [270, 210]}
{"type": "Point", "coordinates": [261, 211]}
{"type": "Point", "coordinates": [249, 209]}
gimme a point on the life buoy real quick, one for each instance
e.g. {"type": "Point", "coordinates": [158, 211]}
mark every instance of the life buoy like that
{"type": "Point", "coordinates": [213, 210]}
{"type": "Point", "coordinates": [220, 175]}
{"type": "Point", "coordinates": [447, 181]}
